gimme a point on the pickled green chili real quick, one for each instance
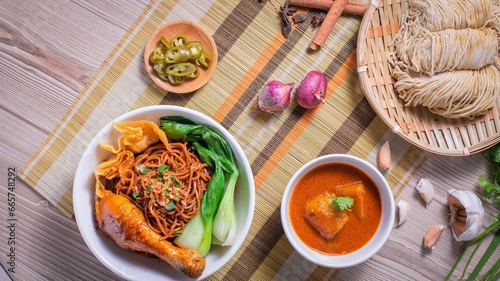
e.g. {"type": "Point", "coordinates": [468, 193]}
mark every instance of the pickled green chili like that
{"type": "Point", "coordinates": [177, 54]}
{"type": "Point", "coordinates": [180, 69]}
{"type": "Point", "coordinates": [179, 40]}
{"type": "Point", "coordinates": [195, 48]}
{"type": "Point", "coordinates": [205, 59]}
{"type": "Point", "coordinates": [177, 60]}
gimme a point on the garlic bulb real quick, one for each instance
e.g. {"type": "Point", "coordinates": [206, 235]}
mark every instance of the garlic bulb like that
{"type": "Point", "coordinates": [466, 214]}
{"type": "Point", "coordinates": [432, 235]}
{"type": "Point", "coordinates": [426, 190]}
{"type": "Point", "coordinates": [403, 208]}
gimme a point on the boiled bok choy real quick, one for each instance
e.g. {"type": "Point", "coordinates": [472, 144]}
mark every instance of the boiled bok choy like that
{"type": "Point", "coordinates": [215, 223]}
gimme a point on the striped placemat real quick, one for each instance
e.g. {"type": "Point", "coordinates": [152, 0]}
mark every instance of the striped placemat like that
{"type": "Point", "coordinates": [252, 51]}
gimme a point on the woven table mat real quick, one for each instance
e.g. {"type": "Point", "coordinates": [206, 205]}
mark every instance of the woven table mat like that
{"type": "Point", "coordinates": [252, 51]}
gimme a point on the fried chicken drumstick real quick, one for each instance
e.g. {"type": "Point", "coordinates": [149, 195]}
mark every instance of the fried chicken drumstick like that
{"type": "Point", "coordinates": [125, 223]}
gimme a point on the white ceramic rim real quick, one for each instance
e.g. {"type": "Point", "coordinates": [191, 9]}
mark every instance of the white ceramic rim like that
{"type": "Point", "coordinates": [126, 263]}
{"type": "Point", "coordinates": [377, 241]}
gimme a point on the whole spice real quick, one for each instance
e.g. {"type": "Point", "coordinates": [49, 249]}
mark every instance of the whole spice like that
{"type": "Point", "coordinates": [384, 156]}
{"type": "Point", "coordinates": [300, 17]}
{"type": "Point", "coordinates": [352, 8]}
{"type": "Point", "coordinates": [426, 190]}
{"type": "Point", "coordinates": [275, 96]}
{"type": "Point", "coordinates": [403, 209]}
{"type": "Point", "coordinates": [312, 89]}
{"type": "Point", "coordinates": [285, 12]}
{"type": "Point", "coordinates": [317, 19]}
{"type": "Point", "coordinates": [432, 235]}
{"type": "Point", "coordinates": [328, 23]}
{"type": "Point", "coordinates": [466, 214]}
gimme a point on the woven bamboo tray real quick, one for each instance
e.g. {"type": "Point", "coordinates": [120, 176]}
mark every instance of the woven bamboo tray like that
{"type": "Point", "coordinates": [436, 134]}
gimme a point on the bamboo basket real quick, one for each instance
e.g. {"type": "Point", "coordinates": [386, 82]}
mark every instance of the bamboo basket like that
{"type": "Point", "coordinates": [417, 125]}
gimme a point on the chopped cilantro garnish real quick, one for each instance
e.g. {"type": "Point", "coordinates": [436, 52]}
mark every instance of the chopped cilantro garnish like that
{"type": "Point", "coordinates": [176, 183]}
{"type": "Point", "coordinates": [178, 232]}
{"type": "Point", "coordinates": [136, 195]}
{"type": "Point", "coordinates": [149, 188]}
{"type": "Point", "coordinates": [166, 192]}
{"type": "Point", "coordinates": [177, 197]}
{"type": "Point", "coordinates": [342, 203]}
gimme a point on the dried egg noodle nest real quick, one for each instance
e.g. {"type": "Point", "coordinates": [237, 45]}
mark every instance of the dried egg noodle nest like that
{"type": "Point", "coordinates": [452, 94]}
{"type": "Point", "coordinates": [438, 15]}
{"type": "Point", "coordinates": [423, 51]}
{"type": "Point", "coordinates": [445, 56]}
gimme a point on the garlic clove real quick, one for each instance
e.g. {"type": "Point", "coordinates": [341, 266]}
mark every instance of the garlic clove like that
{"type": "Point", "coordinates": [403, 209]}
{"type": "Point", "coordinates": [426, 190]}
{"type": "Point", "coordinates": [432, 235]}
{"type": "Point", "coordinates": [466, 214]}
{"type": "Point", "coordinates": [384, 156]}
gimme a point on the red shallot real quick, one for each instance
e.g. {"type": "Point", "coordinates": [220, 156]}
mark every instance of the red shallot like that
{"type": "Point", "coordinates": [312, 90]}
{"type": "Point", "coordinates": [275, 96]}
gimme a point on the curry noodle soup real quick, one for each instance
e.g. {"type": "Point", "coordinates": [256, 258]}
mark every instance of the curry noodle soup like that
{"type": "Point", "coordinates": [336, 180]}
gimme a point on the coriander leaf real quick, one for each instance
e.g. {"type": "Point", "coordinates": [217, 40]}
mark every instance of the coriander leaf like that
{"type": "Point", "coordinates": [493, 154]}
{"type": "Point", "coordinates": [342, 203]}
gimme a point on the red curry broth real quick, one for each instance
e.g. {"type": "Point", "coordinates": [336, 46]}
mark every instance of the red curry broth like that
{"type": "Point", "coordinates": [355, 233]}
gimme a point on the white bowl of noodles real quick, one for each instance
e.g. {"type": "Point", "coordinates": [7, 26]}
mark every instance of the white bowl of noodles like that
{"type": "Point", "coordinates": [137, 266]}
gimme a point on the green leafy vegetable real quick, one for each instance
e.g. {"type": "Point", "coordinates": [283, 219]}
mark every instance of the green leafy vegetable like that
{"type": "Point", "coordinates": [342, 203]}
{"type": "Point", "coordinates": [215, 223]}
{"type": "Point", "coordinates": [491, 191]}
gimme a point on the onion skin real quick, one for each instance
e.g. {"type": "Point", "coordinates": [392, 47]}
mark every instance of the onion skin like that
{"type": "Point", "coordinates": [275, 96]}
{"type": "Point", "coordinates": [312, 90]}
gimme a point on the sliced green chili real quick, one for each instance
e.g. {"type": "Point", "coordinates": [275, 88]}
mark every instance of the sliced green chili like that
{"type": "Point", "coordinates": [204, 60]}
{"type": "Point", "coordinates": [195, 48]}
{"type": "Point", "coordinates": [177, 60]}
{"type": "Point", "coordinates": [157, 55]}
{"type": "Point", "coordinates": [165, 42]}
{"type": "Point", "coordinates": [179, 40]}
{"type": "Point", "coordinates": [177, 55]}
{"type": "Point", "coordinates": [180, 69]}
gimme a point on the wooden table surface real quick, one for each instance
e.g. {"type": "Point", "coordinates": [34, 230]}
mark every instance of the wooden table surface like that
{"type": "Point", "coordinates": [48, 52]}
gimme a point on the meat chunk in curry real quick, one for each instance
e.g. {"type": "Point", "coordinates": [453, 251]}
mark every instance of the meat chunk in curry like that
{"type": "Point", "coordinates": [323, 217]}
{"type": "Point", "coordinates": [357, 192]}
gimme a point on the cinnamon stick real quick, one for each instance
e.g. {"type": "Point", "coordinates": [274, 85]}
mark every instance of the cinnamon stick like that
{"type": "Point", "coordinates": [352, 8]}
{"type": "Point", "coordinates": [328, 23]}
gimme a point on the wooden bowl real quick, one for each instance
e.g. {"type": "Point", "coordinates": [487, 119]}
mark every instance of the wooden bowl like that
{"type": "Point", "coordinates": [193, 32]}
